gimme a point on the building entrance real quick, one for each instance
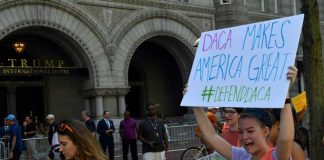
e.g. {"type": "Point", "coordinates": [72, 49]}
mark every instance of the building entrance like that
{"type": "Point", "coordinates": [3, 103]}
{"type": "Point", "coordinates": [154, 77]}
{"type": "Point", "coordinates": [30, 101]}
{"type": "Point", "coordinates": [21, 100]}
{"type": "Point", "coordinates": [40, 75]}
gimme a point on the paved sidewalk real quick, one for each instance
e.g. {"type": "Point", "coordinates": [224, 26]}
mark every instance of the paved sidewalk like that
{"type": "Point", "coordinates": [171, 155]}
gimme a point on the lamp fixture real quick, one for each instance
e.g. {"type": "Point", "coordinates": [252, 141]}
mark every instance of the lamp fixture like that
{"type": "Point", "coordinates": [19, 46]}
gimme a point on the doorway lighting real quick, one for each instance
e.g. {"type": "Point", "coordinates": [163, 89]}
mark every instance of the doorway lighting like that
{"type": "Point", "coordinates": [19, 46]}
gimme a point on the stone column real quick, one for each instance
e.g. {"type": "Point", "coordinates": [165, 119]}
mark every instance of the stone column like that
{"type": "Point", "coordinates": [11, 94]}
{"type": "Point", "coordinates": [111, 104]}
{"type": "Point", "coordinates": [109, 99]}
{"type": "Point", "coordinates": [87, 105]}
{"type": "Point", "coordinates": [99, 106]}
{"type": "Point", "coordinates": [121, 105]}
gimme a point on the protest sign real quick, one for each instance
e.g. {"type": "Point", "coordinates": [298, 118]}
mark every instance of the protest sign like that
{"type": "Point", "coordinates": [244, 66]}
{"type": "Point", "coordinates": [300, 102]}
{"type": "Point", "coordinates": [213, 156]}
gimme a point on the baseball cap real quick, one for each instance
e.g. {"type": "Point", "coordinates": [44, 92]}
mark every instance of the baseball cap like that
{"type": "Point", "coordinates": [10, 117]}
{"type": "Point", "coordinates": [261, 115]}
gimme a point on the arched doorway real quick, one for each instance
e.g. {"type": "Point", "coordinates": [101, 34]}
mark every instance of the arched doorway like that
{"type": "Point", "coordinates": [154, 77]}
{"type": "Point", "coordinates": [46, 77]}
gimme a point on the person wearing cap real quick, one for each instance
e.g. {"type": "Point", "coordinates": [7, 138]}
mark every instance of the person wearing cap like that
{"type": "Point", "coordinates": [211, 114]}
{"type": "Point", "coordinates": [254, 128]}
{"type": "Point", "coordinates": [15, 140]}
{"type": "Point", "coordinates": [53, 126]}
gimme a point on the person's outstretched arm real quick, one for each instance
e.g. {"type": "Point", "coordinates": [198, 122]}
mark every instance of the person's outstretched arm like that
{"type": "Point", "coordinates": [286, 132]}
{"type": "Point", "coordinates": [209, 134]}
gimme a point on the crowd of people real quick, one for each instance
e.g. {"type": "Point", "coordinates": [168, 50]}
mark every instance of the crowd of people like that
{"type": "Point", "coordinates": [71, 139]}
{"type": "Point", "coordinates": [262, 134]}
{"type": "Point", "coordinates": [246, 134]}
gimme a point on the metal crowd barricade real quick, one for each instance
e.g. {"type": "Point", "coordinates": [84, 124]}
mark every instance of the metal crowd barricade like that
{"type": "Point", "coordinates": [2, 150]}
{"type": "Point", "coordinates": [41, 147]}
{"type": "Point", "coordinates": [180, 137]}
{"type": "Point", "coordinates": [4, 146]}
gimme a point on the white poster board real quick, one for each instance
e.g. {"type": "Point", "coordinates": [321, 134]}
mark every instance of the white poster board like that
{"type": "Point", "coordinates": [213, 156]}
{"type": "Point", "coordinates": [244, 66]}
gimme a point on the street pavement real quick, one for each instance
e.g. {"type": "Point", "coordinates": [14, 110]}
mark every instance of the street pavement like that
{"type": "Point", "coordinates": [171, 155]}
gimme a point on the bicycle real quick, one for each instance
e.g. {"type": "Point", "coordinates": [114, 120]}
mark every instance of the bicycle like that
{"type": "Point", "coordinates": [194, 153]}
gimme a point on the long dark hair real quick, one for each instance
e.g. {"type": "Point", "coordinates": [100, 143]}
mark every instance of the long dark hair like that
{"type": "Point", "coordinates": [88, 146]}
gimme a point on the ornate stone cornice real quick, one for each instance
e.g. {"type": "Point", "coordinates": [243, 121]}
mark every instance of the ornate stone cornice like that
{"type": "Point", "coordinates": [67, 7]}
{"type": "Point", "coordinates": [39, 19]}
{"type": "Point", "coordinates": [183, 6]}
{"type": "Point", "coordinates": [118, 91]}
{"type": "Point", "coordinates": [142, 15]}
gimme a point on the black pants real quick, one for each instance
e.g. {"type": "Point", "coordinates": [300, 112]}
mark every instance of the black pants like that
{"type": "Point", "coordinates": [16, 155]}
{"type": "Point", "coordinates": [109, 141]}
{"type": "Point", "coordinates": [133, 147]}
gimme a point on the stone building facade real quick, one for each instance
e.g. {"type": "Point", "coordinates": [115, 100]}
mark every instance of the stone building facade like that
{"type": "Point", "coordinates": [117, 54]}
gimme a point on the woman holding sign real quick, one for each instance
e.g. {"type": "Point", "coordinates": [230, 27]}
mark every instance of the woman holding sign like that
{"type": "Point", "coordinates": [254, 127]}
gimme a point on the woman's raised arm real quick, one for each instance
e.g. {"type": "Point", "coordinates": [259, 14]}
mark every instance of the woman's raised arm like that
{"type": "Point", "coordinates": [210, 136]}
{"type": "Point", "coordinates": [286, 132]}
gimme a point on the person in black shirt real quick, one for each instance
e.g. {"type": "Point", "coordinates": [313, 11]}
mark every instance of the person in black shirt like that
{"type": "Point", "coordinates": [153, 135]}
{"type": "Point", "coordinates": [89, 122]}
{"type": "Point", "coordinates": [29, 132]}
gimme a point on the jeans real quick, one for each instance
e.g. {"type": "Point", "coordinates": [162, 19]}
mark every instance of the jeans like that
{"type": "Point", "coordinates": [31, 149]}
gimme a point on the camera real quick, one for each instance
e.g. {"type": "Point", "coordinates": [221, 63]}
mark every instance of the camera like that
{"type": "Point", "coordinates": [155, 143]}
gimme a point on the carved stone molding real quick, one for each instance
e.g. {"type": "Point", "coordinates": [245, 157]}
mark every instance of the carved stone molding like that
{"type": "Point", "coordinates": [39, 19]}
{"type": "Point", "coordinates": [58, 27]}
{"type": "Point", "coordinates": [65, 6]}
{"type": "Point", "coordinates": [142, 15]}
{"type": "Point", "coordinates": [183, 6]}
{"type": "Point", "coordinates": [120, 91]}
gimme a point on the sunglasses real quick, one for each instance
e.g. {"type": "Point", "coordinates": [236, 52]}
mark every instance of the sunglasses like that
{"type": "Point", "coordinates": [64, 127]}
